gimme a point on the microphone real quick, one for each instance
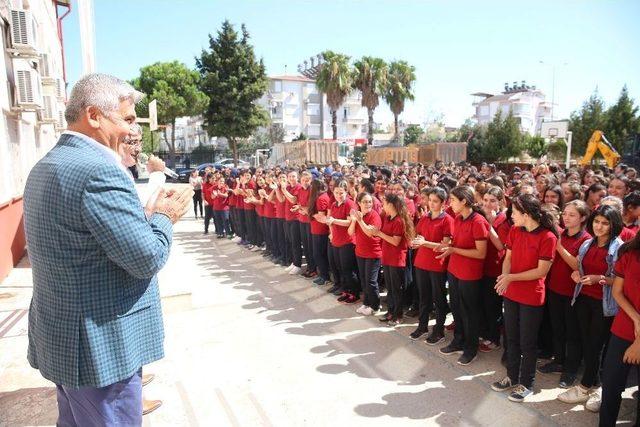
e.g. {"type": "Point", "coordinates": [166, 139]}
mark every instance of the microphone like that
{"type": "Point", "coordinates": [170, 173]}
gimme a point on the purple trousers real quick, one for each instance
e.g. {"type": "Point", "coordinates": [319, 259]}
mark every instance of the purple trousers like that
{"type": "Point", "coordinates": [118, 404]}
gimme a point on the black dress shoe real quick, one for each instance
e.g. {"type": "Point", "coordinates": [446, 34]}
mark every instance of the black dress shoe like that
{"type": "Point", "coordinates": [333, 289]}
{"type": "Point", "coordinates": [412, 312]}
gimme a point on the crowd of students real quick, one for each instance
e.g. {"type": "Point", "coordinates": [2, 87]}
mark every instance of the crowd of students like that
{"type": "Point", "coordinates": [533, 262]}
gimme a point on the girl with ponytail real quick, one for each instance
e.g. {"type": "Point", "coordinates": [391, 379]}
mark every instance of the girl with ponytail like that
{"type": "Point", "coordinates": [396, 233]}
{"type": "Point", "coordinates": [319, 204]}
{"type": "Point", "coordinates": [531, 246]}
{"type": "Point", "coordinates": [467, 252]}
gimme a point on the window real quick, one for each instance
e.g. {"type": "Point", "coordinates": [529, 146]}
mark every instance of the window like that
{"type": "Point", "coordinates": [313, 109]}
{"type": "Point", "coordinates": [483, 110]}
{"type": "Point", "coordinates": [277, 85]}
{"type": "Point", "coordinates": [346, 112]}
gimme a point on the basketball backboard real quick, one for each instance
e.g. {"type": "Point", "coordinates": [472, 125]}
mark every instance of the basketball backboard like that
{"type": "Point", "coordinates": [554, 129]}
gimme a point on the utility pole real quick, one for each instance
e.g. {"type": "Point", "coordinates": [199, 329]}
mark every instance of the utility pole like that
{"type": "Point", "coordinates": [553, 84]}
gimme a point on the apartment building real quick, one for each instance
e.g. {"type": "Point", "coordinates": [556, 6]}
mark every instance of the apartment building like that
{"type": "Point", "coordinates": [32, 99]}
{"type": "Point", "coordinates": [527, 103]}
{"type": "Point", "coordinates": [295, 103]}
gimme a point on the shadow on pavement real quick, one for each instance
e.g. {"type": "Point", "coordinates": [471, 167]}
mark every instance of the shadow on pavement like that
{"type": "Point", "coordinates": [28, 407]}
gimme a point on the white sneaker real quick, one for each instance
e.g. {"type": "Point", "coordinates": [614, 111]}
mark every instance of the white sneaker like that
{"type": "Point", "coordinates": [236, 239]}
{"type": "Point", "coordinates": [595, 399]}
{"type": "Point", "coordinates": [576, 394]}
{"type": "Point", "coordinates": [368, 311]}
{"type": "Point", "coordinates": [295, 270]}
{"type": "Point", "coordinates": [359, 310]}
{"type": "Point", "coordinates": [288, 269]}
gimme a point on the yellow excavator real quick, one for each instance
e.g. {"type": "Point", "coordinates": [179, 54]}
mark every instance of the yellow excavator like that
{"type": "Point", "coordinates": [599, 142]}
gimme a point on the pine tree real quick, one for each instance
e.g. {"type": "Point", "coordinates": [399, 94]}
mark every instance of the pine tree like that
{"type": "Point", "coordinates": [622, 121]}
{"type": "Point", "coordinates": [503, 138]}
{"type": "Point", "coordinates": [233, 79]}
{"type": "Point", "coordinates": [582, 123]}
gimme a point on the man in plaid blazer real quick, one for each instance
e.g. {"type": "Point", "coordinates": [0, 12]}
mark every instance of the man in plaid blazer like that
{"type": "Point", "coordinates": [95, 317]}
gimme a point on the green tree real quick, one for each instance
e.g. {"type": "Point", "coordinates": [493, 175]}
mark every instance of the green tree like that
{"type": "Point", "coordinates": [233, 79]}
{"type": "Point", "coordinates": [370, 78]}
{"type": "Point", "coordinates": [503, 138]}
{"type": "Point", "coordinates": [621, 121]}
{"type": "Point", "coordinates": [412, 134]}
{"type": "Point", "coordinates": [276, 134]}
{"type": "Point", "coordinates": [335, 80]}
{"type": "Point", "coordinates": [475, 137]}
{"type": "Point", "coordinates": [583, 122]}
{"type": "Point", "coordinates": [175, 87]}
{"type": "Point", "coordinates": [536, 146]}
{"type": "Point", "coordinates": [150, 143]}
{"type": "Point", "coordinates": [401, 78]}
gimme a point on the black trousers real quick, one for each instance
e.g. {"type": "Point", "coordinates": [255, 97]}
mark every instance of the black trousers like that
{"type": "Point", "coordinates": [594, 331]}
{"type": "Point", "coordinates": [251, 225]}
{"type": "Point", "coordinates": [240, 222]}
{"type": "Point", "coordinates": [283, 240]}
{"type": "Point", "coordinates": [368, 270]}
{"type": "Point", "coordinates": [233, 220]}
{"type": "Point", "coordinates": [223, 225]}
{"type": "Point", "coordinates": [466, 300]}
{"type": "Point", "coordinates": [320, 243]}
{"type": "Point", "coordinates": [266, 230]}
{"type": "Point", "coordinates": [259, 229]}
{"type": "Point", "coordinates": [276, 238]}
{"type": "Point", "coordinates": [491, 313]}
{"type": "Point", "coordinates": [394, 279]}
{"type": "Point", "coordinates": [197, 202]}
{"type": "Point", "coordinates": [307, 246]}
{"type": "Point", "coordinates": [347, 267]}
{"type": "Point", "coordinates": [208, 215]}
{"type": "Point", "coordinates": [521, 324]}
{"type": "Point", "coordinates": [567, 346]}
{"type": "Point", "coordinates": [334, 264]}
{"type": "Point", "coordinates": [423, 284]}
{"type": "Point", "coordinates": [614, 380]}
{"type": "Point", "coordinates": [295, 242]}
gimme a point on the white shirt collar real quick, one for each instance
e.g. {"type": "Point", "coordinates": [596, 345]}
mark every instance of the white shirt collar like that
{"type": "Point", "coordinates": [115, 156]}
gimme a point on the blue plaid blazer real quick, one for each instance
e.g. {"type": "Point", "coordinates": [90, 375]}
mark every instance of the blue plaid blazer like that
{"type": "Point", "coordinates": [95, 315]}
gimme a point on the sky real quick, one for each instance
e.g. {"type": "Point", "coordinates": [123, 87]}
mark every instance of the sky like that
{"type": "Point", "coordinates": [457, 47]}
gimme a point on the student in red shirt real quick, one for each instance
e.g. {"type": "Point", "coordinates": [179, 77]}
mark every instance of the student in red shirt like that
{"type": "Point", "coordinates": [343, 250]}
{"type": "Point", "coordinates": [290, 193]}
{"type": "Point", "coordinates": [318, 208]}
{"type": "Point", "coordinates": [434, 229]}
{"type": "Point", "coordinates": [631, 212]}
{"type": "Point", "coordinates": [605, 225]}
{"type": "Point", "coordinates": [305, 224]}
{"type": "Point", "coordinates": [466, 261]}
{"type": "Point", "coordinates": [396, 232]}
{"type": "Point", "coordinates": [281, 226]}
{"type": "Point", "coordinates": [207, 188]}
{"type": "Point", "coordinates": [531, 246]}
{"type": "Point", "coordinates": [623, 350]}
{"type": "Point", "coordinates": [493, 206]}
{"type": "Point", "coordinates": [564, 323]}
{"type": "Point", "coordinates": [268, 213]}
{"type": "Point", "coordinates": [364, 223]}
{"type": "Point", "coordinates": [248, 186]}
{"type": "Point", "coordinates": [220, 199]}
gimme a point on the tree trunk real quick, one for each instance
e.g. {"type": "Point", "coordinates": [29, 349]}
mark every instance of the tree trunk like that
{"type": "Point", "coordinates": [395, 123]}
{"type": "Point", "coordinates": [172, 146]}
{"type": "Point", "coordinates": [334, 124]}
{"type": "Point", "coordinates": [234, 148]}
{"type": "Point", "coordinates": [370, 127]}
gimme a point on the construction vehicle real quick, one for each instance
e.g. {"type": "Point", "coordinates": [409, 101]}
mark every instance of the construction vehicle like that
{"type": "Point", "coordinates": [598, 142]}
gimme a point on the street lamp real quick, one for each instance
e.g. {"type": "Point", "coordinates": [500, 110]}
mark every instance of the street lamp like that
{"type": "Point", "coordinates": [553, 83]}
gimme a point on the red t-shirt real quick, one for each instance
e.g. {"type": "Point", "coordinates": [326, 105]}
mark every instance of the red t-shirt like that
{"type": "Point", "coordinates": [288, 215]}
{"type": "Point", "coordinates": [251, 185]}
{"type": "Point", "coordinates": [340, 234]}
{"type": "Point", "coordinates": [220, 201]}
{"type": "Point", "coordinates": [368, 247]}
{"type": "Point", "coordinates": [303, 201]}
{"type": "Point", "coordinates": [594, 262]}
{"type": "Point", "coordinates": [322, 205]}
{"type": "Point", "coordinates": [377, 205]}
{"type": "Point", "coordinates": [628, 268]}
{"type": "Point", "coordinates": [465, 234]}
{"type": "Point", "coordinates": [259, 208]}
{"type": "Point", "coordinates": [494, 258]}
{"type": "Point", "coordinates": [280, 208]}
{"type": "Point", "coordinates": [206, 192]}
{"type": "Point", "coordinates": [628, 234]}
{"type": "Point", "coordinates": [411, 207]}
{"type": "Point", "coordinates": [526, 249]}
{"type": "Point", "coordinates": [394, 256]}
{"type": "Point", "coordinates": [269, 209]}
{"type": "Point", "coordinates": [433, 230]}
{"type": "Point", "coordinates": [559, 278]}
{"type": "Point", "coordinates": [232, 200]}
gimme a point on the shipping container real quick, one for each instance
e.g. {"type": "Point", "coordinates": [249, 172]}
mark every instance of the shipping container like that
{"type": "Point", "coordinates": [300, 152]}
{"type": "Point", "coordinates": [426, 154]}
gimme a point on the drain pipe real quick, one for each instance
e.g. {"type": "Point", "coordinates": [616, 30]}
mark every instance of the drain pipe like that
{"type": "Point", "coordinates": [59, 18]}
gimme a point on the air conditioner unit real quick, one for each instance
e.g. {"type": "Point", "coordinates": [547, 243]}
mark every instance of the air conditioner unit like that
{"type": "Point", "coordinates": [60, 89]}
{"type": "Point", "coordinates": [23, 30]}
{"type": "Point", "coordinates": [45, 66]}
{"type": "Point", "coordinates": [61, 123]}
{"type": "Point", "coordinates": [50, 112]}
{"type": "Point", "coordinates": [28, 93]}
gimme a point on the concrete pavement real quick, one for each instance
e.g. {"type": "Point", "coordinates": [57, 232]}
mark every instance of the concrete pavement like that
{"type": "Point", "coordinates": [248, 345]}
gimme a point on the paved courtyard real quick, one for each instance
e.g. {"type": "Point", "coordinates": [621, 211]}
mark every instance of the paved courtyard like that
{"type": "Point", "coordinates": [247, 345]}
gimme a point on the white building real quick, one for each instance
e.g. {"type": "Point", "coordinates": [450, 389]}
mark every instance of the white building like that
{"type": "Point", "coordinates": [527, 103]}
{"type": "Point", "coordinates": [295, 103]}
{"type": "Point", "coordinates": [32, 99]}
{"type": "Point", "coordinates": [190, 133]}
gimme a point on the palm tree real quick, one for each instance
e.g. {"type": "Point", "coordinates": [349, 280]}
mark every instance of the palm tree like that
{"type": "Point", "coordinates": [370, 78]}
{"type": "Point", "coordinates": [334, 79]}
{"type": "Point", "coordinates": [399, 88]}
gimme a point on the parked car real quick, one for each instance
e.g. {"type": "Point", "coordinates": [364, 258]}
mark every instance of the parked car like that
{"type": "Point", "coordinates": [183, 174]}
{"type": "Point", "coordinates": [228, 163]}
